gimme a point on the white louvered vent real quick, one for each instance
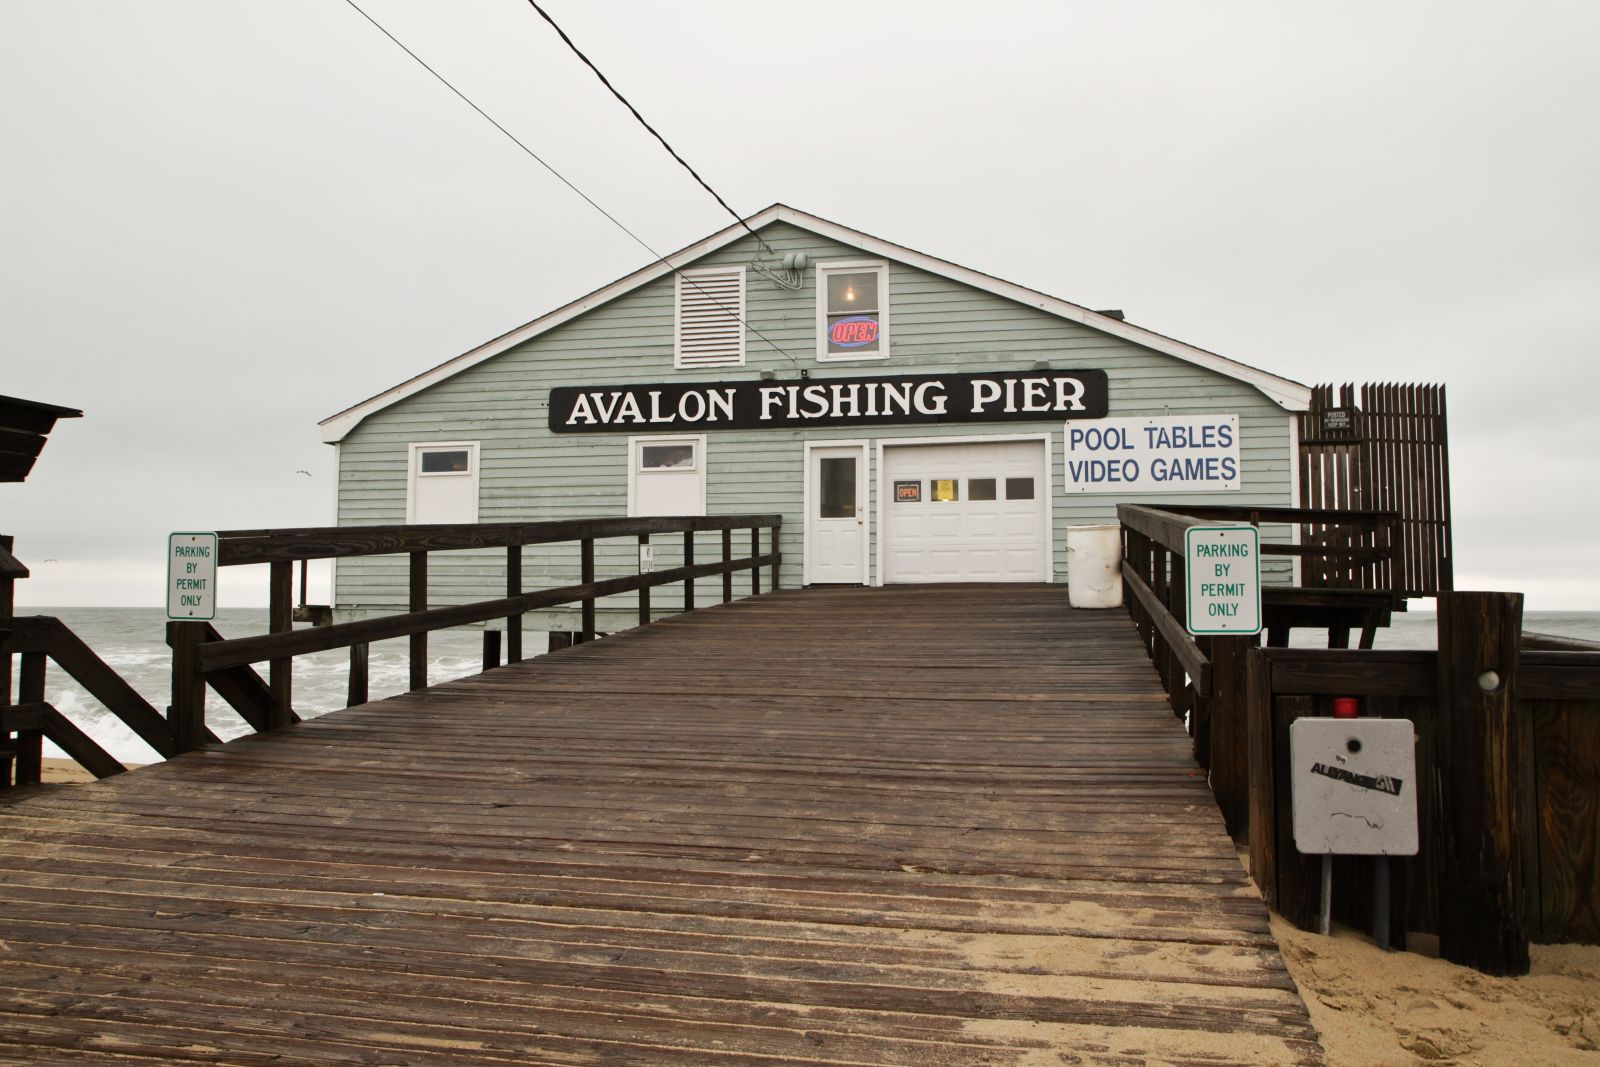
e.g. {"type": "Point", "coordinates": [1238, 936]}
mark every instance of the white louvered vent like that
{"type": "Point", "coordinates": [710, 307]}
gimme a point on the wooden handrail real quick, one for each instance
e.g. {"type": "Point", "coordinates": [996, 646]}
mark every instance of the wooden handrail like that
{"type": "Point", "coordinates": [238, 547]}
{"type": "Point", "coordinates": [202, 658]}
{"type": "Point", "coordinates": [1194, 661]}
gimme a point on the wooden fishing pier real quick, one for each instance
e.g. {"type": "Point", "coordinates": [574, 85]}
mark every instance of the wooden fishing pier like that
{"type": "Point", "coordinates": [920, 825]}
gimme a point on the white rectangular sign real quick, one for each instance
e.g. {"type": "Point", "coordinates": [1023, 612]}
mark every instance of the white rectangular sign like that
{"type": "Point", "coordinates": [1354, 786]}
{"type": "Point", "coordinates": [1222, 565]}
{"type": "Point", "coordinates": [192, 576]}
{"type": "Point", "coordinates": [1158, 454]}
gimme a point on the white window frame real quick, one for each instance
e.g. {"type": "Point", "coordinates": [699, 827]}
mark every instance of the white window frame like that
{"type": "Point", "coordinates": [677, 315]}
{"type": "Point", "coordinates": [414, 471]}
{"type": "Point", "coordinates": [636, 463]}
{"type": "Point", "coordinates": [826, 267]}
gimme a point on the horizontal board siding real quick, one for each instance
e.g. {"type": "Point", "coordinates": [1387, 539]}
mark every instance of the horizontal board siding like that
{"type": "Point", "coordinates": [936, 325]}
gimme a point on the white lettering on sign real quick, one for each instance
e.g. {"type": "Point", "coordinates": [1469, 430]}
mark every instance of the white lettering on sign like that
{"type": "Point", "coordinates": [1222, 565]}
{"type": "Point", "coordinates": [192, 576]}
{"type": "Point", "coordinates": [1160, 454]}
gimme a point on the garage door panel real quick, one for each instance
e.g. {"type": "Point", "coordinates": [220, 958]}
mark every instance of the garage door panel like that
{"type": "Point", "coordinates": [999, 536]}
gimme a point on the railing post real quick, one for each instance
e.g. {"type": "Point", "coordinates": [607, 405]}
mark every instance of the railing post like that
{"type": "Point", "coordinates": [774, 574]}
{"type": "Point", "coordinates": [8, 608]}
{"type": "Point", "coordinates": [755, 568]}
{"type": "Point", "coordinates": [187, 712]}
{"type": "Point", "coordinates": [586, 633]}
{"type": "Point", "coordinates": [419, 602]}
{"type": "Point", "coordinates": [491, 649]}
{"type": "Point", "coordinates": [357, 693]}
{"type": "Point", "coordinates": [30, 743]}
{"type": "Point", "coordinates": [514, 588]}
{"type": "Point", "coordinates": [280, 619]}
{"type": "Point", "coordinates": [727, 558]}
{"type": "Point", "coordinates": [644, 588]}
{"type": "Point", "coordinates": [1480, 742]}
{"type": "Point", "coordinates": [688, 561]}
{"type": "Point", "coordinates": [1177, 590]}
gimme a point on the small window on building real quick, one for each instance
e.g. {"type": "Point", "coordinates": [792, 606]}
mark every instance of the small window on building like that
{"type": "Point", "coordinates": [944, 490]}
{"type": "Point", "coordinates": [442, 486]}
{"type": "Point", "coordinates": [1019, 488]}
{"type": "Point", "coordinates": [852, 310]}
{"type": "Point", "coordinates": [710, 318]}
{"type": "Point", "coordinates": [666, 457]}
{"type": "Point", "coordinates": [980, 489]}
{"type": "Point", "coordinates": [667, 475]}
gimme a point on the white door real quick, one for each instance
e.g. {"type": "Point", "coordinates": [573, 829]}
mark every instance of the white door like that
{"type": "Point", "coordinates": [836, 515]}
{"type": "Point", "coordinates": [966, 512]}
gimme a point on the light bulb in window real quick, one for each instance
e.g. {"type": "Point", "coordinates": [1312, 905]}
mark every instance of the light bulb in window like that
{"type": "Point", "coordinates": [850, 294]}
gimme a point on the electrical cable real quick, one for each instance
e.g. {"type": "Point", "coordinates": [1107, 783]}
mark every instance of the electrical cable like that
{"type": "Point", "coordinates": [653, 131]}
{"type": "Point", "coordinates": [587, 198]}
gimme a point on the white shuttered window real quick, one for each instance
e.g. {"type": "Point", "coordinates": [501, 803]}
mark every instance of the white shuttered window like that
{"type": "Point", "coordinates": [710, 309]}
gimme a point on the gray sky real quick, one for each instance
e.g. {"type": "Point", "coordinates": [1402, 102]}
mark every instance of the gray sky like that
{"type": "Point", "coordinates": [223, 221]}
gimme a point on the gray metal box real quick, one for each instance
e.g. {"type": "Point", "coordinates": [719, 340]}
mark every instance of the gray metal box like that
{"type": "Point", "coordinates": [1354, 786]}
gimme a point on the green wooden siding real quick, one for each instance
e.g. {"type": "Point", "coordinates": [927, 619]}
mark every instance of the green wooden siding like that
{"type": "Point", "coordinates": [936, 324]}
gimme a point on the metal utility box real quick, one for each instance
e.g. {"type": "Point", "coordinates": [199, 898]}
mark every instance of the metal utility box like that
{"type": "Point", "coordinates": [1354, 786]}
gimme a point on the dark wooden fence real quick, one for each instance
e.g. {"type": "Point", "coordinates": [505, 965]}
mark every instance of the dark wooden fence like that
{"type": "Point", "coordinates": [203, 658]}
{"type": "Point", "coordinates": [1508, 758]}
{"type": "Point", "coordinates": [1381, 448]}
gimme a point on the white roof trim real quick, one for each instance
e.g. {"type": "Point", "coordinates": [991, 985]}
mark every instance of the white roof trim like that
{"type": "Point", "coordinates": [1287, 394]}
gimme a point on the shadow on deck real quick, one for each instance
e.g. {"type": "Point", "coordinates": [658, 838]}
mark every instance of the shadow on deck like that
{"type": "Point", "coordinates": [917, 825]}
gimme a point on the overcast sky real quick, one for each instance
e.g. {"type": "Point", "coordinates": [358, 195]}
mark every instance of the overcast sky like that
{"type": "Point", "coordinates": [222, 221]}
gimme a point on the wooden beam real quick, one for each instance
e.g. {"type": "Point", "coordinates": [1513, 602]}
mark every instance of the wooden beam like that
{"type": "Point", "coordinates": [1188, 653]}
{"type": "Point", "coordinates": [1483, 752]}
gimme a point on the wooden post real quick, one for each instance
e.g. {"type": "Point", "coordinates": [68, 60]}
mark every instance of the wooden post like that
{"type": "Point", "coordinates": [280, 619]}
{"type": "Point", "coordinates": [358, 675]}
{"type": "Point", "coordinates": [187, 712]}
{"type": "Point", "coordinates": [688, 561]}
{"type": "Point", "coordinates": [8, 608]}
{"type": "Point", "coordinates": [419, 602]}
{"type": "Point", "coordinates": [514, 588]}
{"type": "Point", "coordinates": [1230, 738]}
{"type": "Point", "coordinates": [30, 743]}
{"type": "Point", "coordinates": [491, 649]}
{"type": "Point", "coordinates": [1480, 748]}
{"type": "Point", "coordinates": [644, 590]}
{"type": "Point", "coordinates": [755, 551]}
{"type": "Point", "coordinates": [774, 574]}
{"type": "Point", "coordinates": [586, 566]}
{"type": "Point", "coordinates": [1177, 590]}
{"type": "Point", "coordinates": [727, 557]}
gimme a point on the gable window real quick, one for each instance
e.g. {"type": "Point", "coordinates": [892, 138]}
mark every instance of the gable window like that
{"type": "Point", "coordinates": [852, 310]}
{"type": "Point", "coordinates": [442, 485]}
{"type": "Point", "coordinates": [709, 318]}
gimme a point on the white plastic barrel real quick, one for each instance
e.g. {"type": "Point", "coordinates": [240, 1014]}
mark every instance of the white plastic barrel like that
{"type": "Point", "coordinates": [1094, 566]}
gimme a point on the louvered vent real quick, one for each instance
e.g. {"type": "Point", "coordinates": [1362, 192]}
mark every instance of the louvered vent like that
{"type": "Point", "coordinates": [710, 307]}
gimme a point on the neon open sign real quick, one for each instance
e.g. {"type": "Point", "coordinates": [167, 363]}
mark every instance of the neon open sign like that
{"type": "Point", "coordinates": [854, 332]}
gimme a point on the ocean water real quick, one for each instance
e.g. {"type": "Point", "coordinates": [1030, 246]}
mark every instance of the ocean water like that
{"type": "Point", "coordinates": [133, 642]}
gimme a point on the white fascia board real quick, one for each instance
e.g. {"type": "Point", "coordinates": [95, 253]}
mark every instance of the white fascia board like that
{"type": "Point", "coordinates": [1287, 394]}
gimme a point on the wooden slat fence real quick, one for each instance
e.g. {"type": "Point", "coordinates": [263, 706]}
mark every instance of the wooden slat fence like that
{"type": "Point", "coordinates": [1380, 448]}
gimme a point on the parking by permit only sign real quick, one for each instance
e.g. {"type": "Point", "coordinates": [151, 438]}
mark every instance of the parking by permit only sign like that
{"type": "Point", "coordinates": [1223, 567]}
{"type": "Point", "coordinates": [192, 576]}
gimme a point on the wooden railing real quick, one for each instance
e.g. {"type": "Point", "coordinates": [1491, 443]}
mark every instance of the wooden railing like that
{"type": "Point", "coordinates": [201, 657]}
{"type": "Point", "coordinates": [1508, 785]}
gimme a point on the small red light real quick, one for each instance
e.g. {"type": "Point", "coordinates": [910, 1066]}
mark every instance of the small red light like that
{"type": "Point", "coordinates": [1345, 708]}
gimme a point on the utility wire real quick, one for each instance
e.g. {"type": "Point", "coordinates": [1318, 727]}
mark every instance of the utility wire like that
{"type": "Point", "coordinates": [653, 131]}
{"type": "Point", "coordinates": [587, 198]}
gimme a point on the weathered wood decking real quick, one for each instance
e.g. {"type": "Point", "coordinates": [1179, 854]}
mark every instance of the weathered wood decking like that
{"type": "Point", "coordinates": [935, 825]}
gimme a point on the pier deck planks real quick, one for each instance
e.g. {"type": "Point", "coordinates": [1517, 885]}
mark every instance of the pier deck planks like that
{"type": "Point", "coordinates": [918, 825]}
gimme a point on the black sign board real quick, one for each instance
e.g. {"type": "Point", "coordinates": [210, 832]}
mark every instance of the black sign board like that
{"type": "Point", "coordinates": [908, 492]}
{"type": "Point", "coordinates": [1338, 420]}
{"type": "Point", "coordinates": [1002, 396]}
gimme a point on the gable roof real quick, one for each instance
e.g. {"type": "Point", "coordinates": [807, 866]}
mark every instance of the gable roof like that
{"type": "Point", "coordinates": [1287, 394]}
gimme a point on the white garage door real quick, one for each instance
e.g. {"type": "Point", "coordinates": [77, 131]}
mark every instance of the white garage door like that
{"type": "Point", "coordinates": [965, 513]}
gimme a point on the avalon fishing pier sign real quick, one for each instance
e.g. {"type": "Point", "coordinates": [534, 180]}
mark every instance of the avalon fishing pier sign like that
{"type": "Point", "coordinates": [1003, 396]}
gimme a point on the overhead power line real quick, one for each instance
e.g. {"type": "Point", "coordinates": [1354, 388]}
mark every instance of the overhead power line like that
{"type": "Point", "coordinates": [653, 131]}
{"type": "Point", "coordinates": [568, 183]}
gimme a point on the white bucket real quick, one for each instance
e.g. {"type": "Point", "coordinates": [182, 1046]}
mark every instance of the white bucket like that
{"type": "Point", "coordinates": [1094, 566]}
